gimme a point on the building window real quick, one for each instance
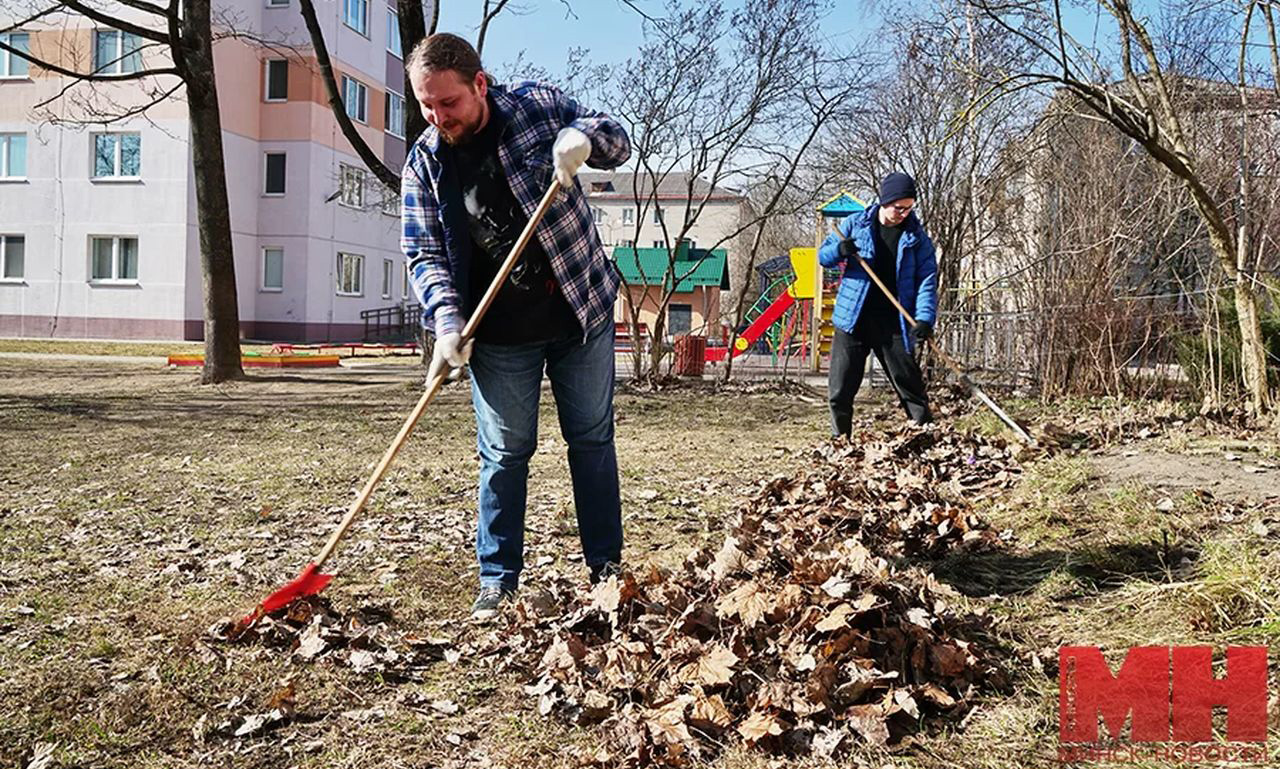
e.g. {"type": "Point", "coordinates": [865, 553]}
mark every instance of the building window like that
{"type": "Point", "coordinates": [597, 214]}
{"type": "Point", "coordinates": [390, 202]}
{"type": "Point", "coordinates": [356, 98]}
{"type": "Point", "coordinates": [388, 276]}
{"type": "Point", "coordinates": [393, 34]}
{"type": "Point", "coordinates": [116, 52]}
{"type": "Point", "coordinates": [657, 215]}
{"type": "Point", "coordinates": [679, 318]}
{"type": "Point", "coordinates": [394, 117]}
{"type": "Point", "coordinates": [404, 290]}
{"type": "Point", "coordinates": [627, 243]}
{"type": "Point", "coordinates": [273, 269]}
{"type": "Point", "coordinates": [13, 156]}
{"type": "Point", "coordinates": [355, 14]}
{"type": "Point", "coordinates": [114, 260]}
{"type": "Point", "coordinates": [273, 183]}
{"type": "Point", "coordinates": [277, 3]}
{"type": "Point", "coordinates": [350, 274]}
{"type": "Point", "coordinates": [351, 190]}
{"type": "Point", "coordinates": [10, 64]}
{"type": "Point", "coordinates": [13, 250]}
{"type": "Point", "coordinates": [628, 215]}
{"type": "Point", "coordinates": [659, 244]}
{"type": "Point", "coordinates": [117, 156]}
{"type": "Point", "coordinates": [277, 80]}
{"type": "Point", "coordinates": [690, 242]}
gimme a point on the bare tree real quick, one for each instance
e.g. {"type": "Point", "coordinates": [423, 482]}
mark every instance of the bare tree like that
{"type": "Point", "coordinates": [1174, 85]}
{"type": "Point", "coordinates": [178, 51]}
{"type": "Point", "coordinates": [715, 101]}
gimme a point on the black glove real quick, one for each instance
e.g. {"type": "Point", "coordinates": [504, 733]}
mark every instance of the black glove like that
{"type": "Point", "coordinates": [923, 330]}
{"type": "Point", "coordinates": [847, 249]}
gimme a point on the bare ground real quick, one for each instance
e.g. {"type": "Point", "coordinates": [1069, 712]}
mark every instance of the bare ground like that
{"type": "Point", "coordinates": [138, 508]}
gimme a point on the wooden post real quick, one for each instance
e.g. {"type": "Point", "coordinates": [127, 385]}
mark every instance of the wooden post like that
{"type": "Point", "coordinates": [815, 347]}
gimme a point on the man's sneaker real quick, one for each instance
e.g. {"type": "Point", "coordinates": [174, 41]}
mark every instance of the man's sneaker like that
{"type": "Point", "coordinates": [490, 600]}
{"type": "Point", "coordinates": [604, 571]}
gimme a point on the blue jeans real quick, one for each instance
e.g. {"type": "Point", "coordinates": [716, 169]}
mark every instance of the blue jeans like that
{"type": "Point", "coordinates": [506, 382]}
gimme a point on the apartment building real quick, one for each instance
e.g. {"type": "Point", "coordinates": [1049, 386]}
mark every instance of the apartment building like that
{"type": "Point", "coordinates": [98, 234]}
{"type": "Point", "coordinates": [630, 218]}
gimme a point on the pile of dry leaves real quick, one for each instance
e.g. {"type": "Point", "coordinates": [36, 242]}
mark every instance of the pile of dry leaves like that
{"type": "Point", "coordinates": [803, 633]}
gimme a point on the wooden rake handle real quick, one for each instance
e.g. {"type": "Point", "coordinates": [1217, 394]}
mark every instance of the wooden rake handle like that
{"type": "Point", "coordinates": [428, 395]}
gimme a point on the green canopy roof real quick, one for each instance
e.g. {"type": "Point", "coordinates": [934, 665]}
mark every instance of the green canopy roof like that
{"type": "Point", "coordinates": [648, 266]}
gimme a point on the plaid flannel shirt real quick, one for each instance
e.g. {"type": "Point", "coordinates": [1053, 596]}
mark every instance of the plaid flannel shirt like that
{"type": "Point", "coordinates": [535, 113]}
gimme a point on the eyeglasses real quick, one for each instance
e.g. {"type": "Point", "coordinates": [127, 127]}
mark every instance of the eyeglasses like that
{"type": "Point", "coordinates": [904, 210]}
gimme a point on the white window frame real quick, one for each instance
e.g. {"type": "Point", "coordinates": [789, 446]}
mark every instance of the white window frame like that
{"type": "Point", "coordinates": [114, 280]}
{"type": "Point", "coordinates": [404, 289]}
{"type": "Point", "coordinates": [7, 59]}
{"type": "Point", "coordinates": [359, 273]}
{"type": "Point", "coordinates": [393, 34]}
{"type": "Point", "coordinates": [117, 159]}
{"type": "Point", "coordinates": [6, 146]}
{"type": "Point", "coordinates": [391, 202]}
{"type": "Point", "coordinates": [262, 284]}
{"type": "Point", "coordinates": [597, 214]}
{"type": "Point", "coordinates": [359, 181]}
{"type": "Point", "coordinates": [628, 215]}
{"type": "Point", "coordinates": [4, 258]}
{"type": "Point", "coordinates": [266, 81]}
{"type": "Point", "coordinates": [266, 165]}
{"type": "Point", "coordinates": [361, 92]}
{"type": "Point", "coordinates": [121, 65]}
{"type": "Point", "coordinates": [657, 214]}
{"type": "Point", "coordinates": [388, 277]}
{"type": "Point", "coordinates": [624, 243]}
{"type": "Point", "coordinates": [392, 97]}
{"type": "Point", "coordinates": [363, 29]}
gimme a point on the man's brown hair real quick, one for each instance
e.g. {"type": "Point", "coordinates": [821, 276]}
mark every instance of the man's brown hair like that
{"type": "Point", "coordinates": [443, 51]}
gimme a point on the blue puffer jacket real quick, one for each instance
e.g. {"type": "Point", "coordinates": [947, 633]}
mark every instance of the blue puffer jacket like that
{"type": "Point", "coordinates": [917, 271]}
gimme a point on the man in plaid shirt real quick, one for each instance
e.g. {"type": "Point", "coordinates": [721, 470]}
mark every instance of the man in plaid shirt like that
{"type": "Point", "coordinates": [470, 183]}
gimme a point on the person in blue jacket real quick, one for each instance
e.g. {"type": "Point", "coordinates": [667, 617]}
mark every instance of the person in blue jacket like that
{"type": "Point", "coordinates": [888, 236]}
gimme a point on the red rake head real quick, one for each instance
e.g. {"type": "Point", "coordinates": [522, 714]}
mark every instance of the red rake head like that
{"type": "Point", "coordinates": [309, 582]}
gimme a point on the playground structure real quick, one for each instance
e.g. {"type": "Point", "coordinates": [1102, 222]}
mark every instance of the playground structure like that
{"type": "Point", "coordinates": [782, 321]}
{"type": "Point", "coordinates": [259, 360]}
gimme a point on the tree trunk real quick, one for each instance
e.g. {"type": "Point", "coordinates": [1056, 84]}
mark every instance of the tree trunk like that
{"type": "Point", "coordinates": [1253, 351]}
{"type": "Point", "coordinates": [221, 311]}
{"type": "Point", "coordinates": [413, 28]}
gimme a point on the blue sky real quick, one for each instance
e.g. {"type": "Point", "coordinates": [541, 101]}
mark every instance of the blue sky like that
{"type": "Point", "coordinates": [609, 29]}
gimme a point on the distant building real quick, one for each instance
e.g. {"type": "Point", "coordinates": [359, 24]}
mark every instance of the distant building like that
{"type": "Point", "coordinates": [98, 232]}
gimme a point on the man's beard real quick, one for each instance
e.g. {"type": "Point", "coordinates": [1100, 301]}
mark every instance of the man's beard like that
{"type": "Point", "coordinates": [465, 134]}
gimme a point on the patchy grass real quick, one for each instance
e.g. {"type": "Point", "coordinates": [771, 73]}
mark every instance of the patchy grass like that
{"type": "Point", "coordinates": [137, 508]}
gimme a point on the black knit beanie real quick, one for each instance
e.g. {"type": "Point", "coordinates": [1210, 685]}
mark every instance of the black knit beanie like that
{"type": "Point", "coordinates": [896, 186]}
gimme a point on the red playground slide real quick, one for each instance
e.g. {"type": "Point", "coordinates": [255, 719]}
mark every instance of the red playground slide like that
{"type": "Point", "coordinates": [749, 336]}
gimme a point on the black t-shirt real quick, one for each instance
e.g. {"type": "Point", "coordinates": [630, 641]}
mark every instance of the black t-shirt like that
{"type": "Point", "coordinates": [529, 306]}
{"type": "Point", "coordinates": [879, 317]}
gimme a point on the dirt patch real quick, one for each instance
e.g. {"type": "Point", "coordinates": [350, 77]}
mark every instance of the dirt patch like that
{"type": "Point", "coordinates": [1238, 477]}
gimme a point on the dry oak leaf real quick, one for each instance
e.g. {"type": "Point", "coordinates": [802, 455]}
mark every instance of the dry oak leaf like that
{"type": "Point", "coordinates": [666, 723]}
{"type": "Point", "coordinates": [710, 711]}
{"type": "Point", "coordinates": [836, 619]}
{"type": "Point", "coordinates": [759, 725]}
{"type": "Point", "coordinates": [748, 601]}
{"type": "Point", "coordinates": [868, 721]}
{"type": "Point", "coordinates": [730, 559]}
{"type": "Point", "coordinates": [713, 668]}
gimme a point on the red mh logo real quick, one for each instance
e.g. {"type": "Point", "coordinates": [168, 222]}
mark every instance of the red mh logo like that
{"type": "Point", "coordinates": [1170, 691]}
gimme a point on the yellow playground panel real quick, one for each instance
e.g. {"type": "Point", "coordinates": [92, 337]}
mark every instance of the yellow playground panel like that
{"type": "Point", "coordinates": [804, 262]}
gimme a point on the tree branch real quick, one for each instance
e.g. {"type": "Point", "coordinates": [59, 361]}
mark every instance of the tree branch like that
{"type": "Point", "coordinates": [88, 77]}
{"type": "Point", "coordinates": [371, 160]}
{"type": "Point", "coordinates": [115, 22]}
